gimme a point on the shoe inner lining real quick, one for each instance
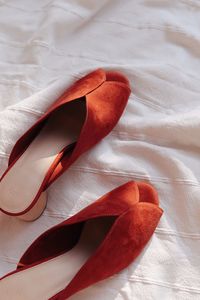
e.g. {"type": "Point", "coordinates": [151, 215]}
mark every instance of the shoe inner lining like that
{"type": "Point", "coordinates": [45, 280]}
{"type": "Point", "coordinates": [21, 184]}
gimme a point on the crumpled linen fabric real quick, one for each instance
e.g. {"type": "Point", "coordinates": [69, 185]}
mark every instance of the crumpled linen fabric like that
{"type": "Point", "coordinates": [44, 47]}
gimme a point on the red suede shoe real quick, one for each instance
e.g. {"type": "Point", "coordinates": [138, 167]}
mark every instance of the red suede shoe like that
{"type": "Point", "coordinates": [78, 120]}
{"type": "Point", "coordinates": [94, 244]}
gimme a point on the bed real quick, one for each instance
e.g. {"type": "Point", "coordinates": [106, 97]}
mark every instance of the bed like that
{"type": "Point", "coordinates": [46, 45]}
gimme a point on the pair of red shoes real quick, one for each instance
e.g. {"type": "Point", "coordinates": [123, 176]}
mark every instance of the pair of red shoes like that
{"type": "Point", "coordinates": [103, 238]}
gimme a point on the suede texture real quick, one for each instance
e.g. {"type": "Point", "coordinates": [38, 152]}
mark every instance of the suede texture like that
{"type": "Point", "coordinates": [106, 95]}
{"type": "Point", "coordinates": [134, 206]}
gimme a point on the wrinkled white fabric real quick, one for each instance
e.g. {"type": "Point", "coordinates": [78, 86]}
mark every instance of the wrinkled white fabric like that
{"type": "Point", "coordinates": [44, 46]}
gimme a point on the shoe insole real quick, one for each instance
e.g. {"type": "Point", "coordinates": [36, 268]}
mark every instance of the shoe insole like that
{"type": "Point", "coordinates": [20, 185]}
{"type": "Point", "coordinates": [43, 281]}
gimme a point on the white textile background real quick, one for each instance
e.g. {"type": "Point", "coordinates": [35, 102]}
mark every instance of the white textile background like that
{"type": "Point", "coordinates": [44, 46]}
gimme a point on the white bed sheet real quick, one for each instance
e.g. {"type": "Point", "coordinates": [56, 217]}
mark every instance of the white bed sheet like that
{"type": "Point", "coordinates": [44, 46]}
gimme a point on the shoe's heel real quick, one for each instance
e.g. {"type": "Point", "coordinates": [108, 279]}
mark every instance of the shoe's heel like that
{"type": "Point", "coordinates": [36, 211]}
